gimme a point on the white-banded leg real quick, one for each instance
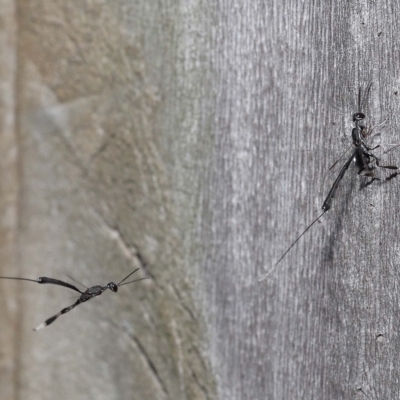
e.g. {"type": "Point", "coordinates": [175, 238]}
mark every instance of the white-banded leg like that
{"type": "Point", "coordinates": [52, 319]}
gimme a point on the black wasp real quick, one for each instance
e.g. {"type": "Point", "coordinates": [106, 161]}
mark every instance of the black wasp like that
{"type": "Point", "coordinates": [363, 157]}
{"type": "Point", "coordinates": [88, 294]}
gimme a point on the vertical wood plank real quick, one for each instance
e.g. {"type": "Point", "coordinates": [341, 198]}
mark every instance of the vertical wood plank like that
{"type": "Point", "coordinates": [194, 140]}
{"type": "Point", "coordinates": [8, 201]}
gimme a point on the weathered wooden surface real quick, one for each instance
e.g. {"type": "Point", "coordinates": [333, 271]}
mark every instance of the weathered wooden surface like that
{"type": "Point", "coordinates": [193, 139]}
{"type": "Point", "coordinates": [110, 164]}
{"type": "Point", "coordinates": [8, 200]}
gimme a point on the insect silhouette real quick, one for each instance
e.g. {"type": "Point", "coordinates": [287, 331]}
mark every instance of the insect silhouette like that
{"type": "Point", "coordinates": [364, 159]}
{"type": "Point", "coordinates": [88, 294]}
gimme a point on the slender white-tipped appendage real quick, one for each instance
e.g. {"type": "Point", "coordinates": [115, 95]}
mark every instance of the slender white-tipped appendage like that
{"type": "Point", "coordinates": [41, 326]}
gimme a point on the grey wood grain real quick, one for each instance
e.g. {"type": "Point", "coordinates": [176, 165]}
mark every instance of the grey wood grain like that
{"type": "Point", "coordinates": [8, 199]}
{"type": "Point", "coordinates": [323, 325]}
{"type": "Point", "coordinates": [193, 140]}
{"type": "Point", "coordinates": [110, 156]}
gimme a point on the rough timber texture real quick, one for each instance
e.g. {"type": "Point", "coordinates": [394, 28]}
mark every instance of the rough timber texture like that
{"type": "Point", "coordinates": [111, 142]}
{"type": "Point", "coordinates": [9, 352]}
{"type": "Point", "coordinates": [193, 139]}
